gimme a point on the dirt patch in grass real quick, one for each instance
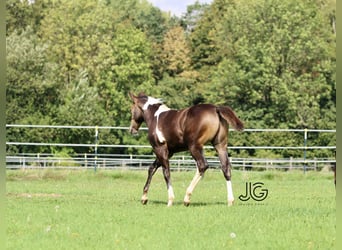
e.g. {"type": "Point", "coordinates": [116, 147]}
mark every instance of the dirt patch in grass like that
{"type": "Point", "coordinates": [28, 195]}
{"type": "Point", "coordinates": [34, 175]}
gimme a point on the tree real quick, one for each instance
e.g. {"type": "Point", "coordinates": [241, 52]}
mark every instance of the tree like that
{"type": "Point", "coordinates": [25, 13]}
{"type": "Point", "coordinates": [176, 53]}
{"type": "Point", "coordinates": [32, 96]}
{"type": "Point", "coordinates": [30, 90]}
{"type": "Point", "coordinates": [151, 21]}
{"type": "Point", "coordinates": [204, 50]}
{"type": "Point", "coordinates": [131, 52]}
{"type": "Point", "coordinates": [74, 62]}
{"type": "Point", "coordinates": [274, 70]}
{"type": "Point", "coordinates": [194, 13]}
{"type": "Point", "coordinates": [75, 32]}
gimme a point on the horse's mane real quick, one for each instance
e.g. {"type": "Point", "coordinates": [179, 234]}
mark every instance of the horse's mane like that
{"type": "Point", "coordinates": [150, 100]}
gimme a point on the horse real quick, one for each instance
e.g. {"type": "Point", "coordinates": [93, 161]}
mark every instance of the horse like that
{"type": "Point", "coordinates": [171, 131]}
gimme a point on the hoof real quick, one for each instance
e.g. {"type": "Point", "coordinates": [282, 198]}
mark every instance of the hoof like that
{"type": "Point", "coordinates": [144, 202]}
{"type": "Point", "coordinates": [230, 203]}
{"type": "Point", "coordinates": [186, 203]}
{"type": "Point", "coordinates": [169, 203]}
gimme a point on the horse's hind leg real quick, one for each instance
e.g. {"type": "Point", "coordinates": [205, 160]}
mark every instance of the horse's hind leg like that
{"type": "Point", "coordinates": [226, 169]}
{"type": "Point", "coordinates": [202, 166]}
{"type": "Point", "coordinates": [151, 171]}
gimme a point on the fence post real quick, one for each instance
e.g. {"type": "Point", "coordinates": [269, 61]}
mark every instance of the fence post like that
{"type": "Point", "coordinates": [38, 159]}
{"type": "Point", "coordinates": [305, 147]}
{"type": "Point", "coordinates": [86, 160]}
{"type": "Point", "coordinates": [96, 142]}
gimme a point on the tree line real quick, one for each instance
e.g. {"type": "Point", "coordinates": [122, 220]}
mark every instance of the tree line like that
{"type": "Point", "coordinates": [74, 63]}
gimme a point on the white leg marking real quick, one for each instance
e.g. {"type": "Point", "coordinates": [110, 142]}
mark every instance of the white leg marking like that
{"type": "Point", "coordinates": [171, 196]}
{"type": "Point", "coordinates": [144, 198]}
{"type": "Point", "coordinates": [192, 186]}
{"type": "Point", "coordinates": [230, 193]}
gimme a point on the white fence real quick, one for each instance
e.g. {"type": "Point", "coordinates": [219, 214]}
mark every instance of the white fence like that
{"type": "Point", "coordinates": [178, 162]}
{"type": "Point", "coordinates": [134, 162]}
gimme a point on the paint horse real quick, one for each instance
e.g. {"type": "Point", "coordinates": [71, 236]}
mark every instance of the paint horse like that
{"type": "Point", "coordinates": [171, 131]}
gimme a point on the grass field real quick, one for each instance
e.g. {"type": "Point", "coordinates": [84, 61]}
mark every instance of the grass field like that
{"type": "Point", "coordinates": [85, 210]}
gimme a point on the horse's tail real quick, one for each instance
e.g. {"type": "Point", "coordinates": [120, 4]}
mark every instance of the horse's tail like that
{"type": "Point", "coordinates": [229, 115]}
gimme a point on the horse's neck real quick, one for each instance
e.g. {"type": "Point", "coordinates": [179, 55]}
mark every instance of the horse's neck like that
{"type": "Point", "coordinates": [149, 116]}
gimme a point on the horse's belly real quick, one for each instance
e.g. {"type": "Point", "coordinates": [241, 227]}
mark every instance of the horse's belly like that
{"type": "Point", "coordinates": [176, 144]}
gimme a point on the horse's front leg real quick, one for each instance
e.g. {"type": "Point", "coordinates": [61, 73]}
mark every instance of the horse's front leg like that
{"type": "Point", "coordinates": [163, 155]}
{"type": "Point", "coordinates": [167, 177]}
{"type": "Point", "coordinates": [151, 171]}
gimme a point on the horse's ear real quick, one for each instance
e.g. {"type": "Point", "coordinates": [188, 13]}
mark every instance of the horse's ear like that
{"type": "Point", "coordinates": [142, 94]}
{"type": "Point", "coordinates": [133, 97]}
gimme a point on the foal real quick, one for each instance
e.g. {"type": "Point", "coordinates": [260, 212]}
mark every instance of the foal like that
{"type": "Point", "coordinates": [171, 131]}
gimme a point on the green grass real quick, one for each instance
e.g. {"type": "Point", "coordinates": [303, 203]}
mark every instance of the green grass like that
{"type": "Point", "coordinates": [83, 210]}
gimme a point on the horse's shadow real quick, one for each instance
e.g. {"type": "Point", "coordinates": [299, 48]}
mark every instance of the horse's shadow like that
{"type": "Point", "coordinates": [192, 204]}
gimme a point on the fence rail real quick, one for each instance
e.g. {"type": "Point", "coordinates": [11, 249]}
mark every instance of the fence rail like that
{"type": "Point", "coordinates": [179, 162]}
{"type": "Point", "coordinates": [148, 146]}
{"type": "Point", "coordinates": [144, 128]}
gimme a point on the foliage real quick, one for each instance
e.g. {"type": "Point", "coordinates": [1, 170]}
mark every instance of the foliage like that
{"type": "Point", "coordinates": [271, 70]}
{"type": "Point", "coordinates": [32, 97]}
{"type": "Point", "coordinates": [74, 63]}
{"type": "Point", "coordinates": [176, 52]}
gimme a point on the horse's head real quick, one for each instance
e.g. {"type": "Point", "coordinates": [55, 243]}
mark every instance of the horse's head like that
{"type": "Point", "coordinates": [137, 112]}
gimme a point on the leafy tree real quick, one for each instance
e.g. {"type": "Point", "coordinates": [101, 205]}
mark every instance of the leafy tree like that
{"type": "Point", "coordinates": [176, 52]}
{"type": "Point", "coordinates": [81, 104]}
{"type": "Point", "coordinates": [30, 90]}
{"type": "Point", "coordinates": [25, 13]}
{"type": "Point", "coordinates": [74, 32]}
{"type": "Point", "coordinates": [32, 96]}
{"type": "Point", "coordinates": [151, 21]}
{"type": "Point", "coordinates": [74, 62]}
{"type": "Point", "coordinates": [204, 50]}
{"type": "Point", "coordinates": [131, 53]}
{"type": "Point", "coordinates": [154, 24]}
{"type": "Point", "coordinates": [273, 70]}
{"type": "Point", "coordinates": [193, 15]}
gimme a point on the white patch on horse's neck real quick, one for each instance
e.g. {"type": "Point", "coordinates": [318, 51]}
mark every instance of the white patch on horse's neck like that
{"type": "Point", "coordinates": [162, 108]}
{"type": "Point", "coordinates": [151, 101]}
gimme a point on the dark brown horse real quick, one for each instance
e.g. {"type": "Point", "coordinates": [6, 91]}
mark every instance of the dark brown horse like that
{"type": "Point", "coordinates": [171, 131]}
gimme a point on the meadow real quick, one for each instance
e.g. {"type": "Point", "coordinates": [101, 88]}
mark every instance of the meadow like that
{"type": "Point", "coordinates": [65, 209]}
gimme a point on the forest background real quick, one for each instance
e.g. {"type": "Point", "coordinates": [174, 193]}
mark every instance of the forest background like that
{"type": "Point", "coordinates": [74, 63]}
